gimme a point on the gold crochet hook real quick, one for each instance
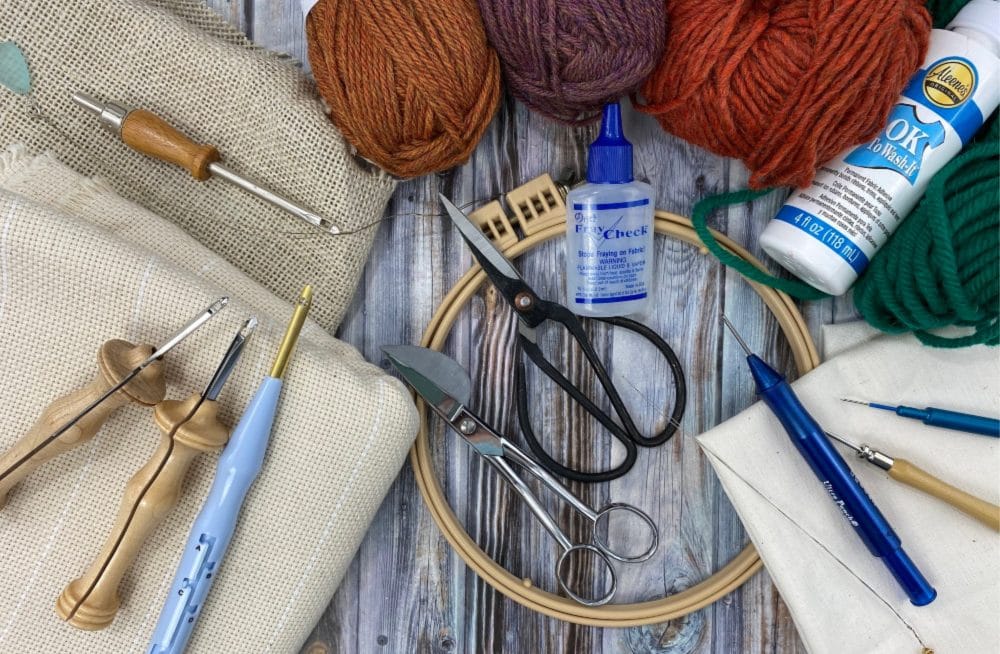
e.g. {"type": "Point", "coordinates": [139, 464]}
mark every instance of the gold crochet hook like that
{"type": "Point", "coordinates": [145, 132]}
{"type": "Point", "coordinates": [905, 472]}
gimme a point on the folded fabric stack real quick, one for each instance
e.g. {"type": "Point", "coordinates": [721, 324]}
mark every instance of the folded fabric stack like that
{"type": "Point", "coordinates": [841, 597]}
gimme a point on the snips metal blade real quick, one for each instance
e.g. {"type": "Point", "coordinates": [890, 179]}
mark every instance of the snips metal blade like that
{"type": "Point", "coordinates": [445, 385]}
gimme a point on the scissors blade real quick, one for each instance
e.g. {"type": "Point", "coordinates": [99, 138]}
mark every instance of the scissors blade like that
{"type": "Point", "coordinates": [435, 376]}
{"type": "Point", "coordinates": [445, 385]}
{"type": "Point", "coordinates": [487, 254]}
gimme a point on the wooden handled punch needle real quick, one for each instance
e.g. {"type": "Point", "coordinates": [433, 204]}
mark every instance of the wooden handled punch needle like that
{"type": "Point", "coordinates": [127, 373]}
{"type": "Point", "coordinates": [905, 472]}
{"type": "Point", "coordinates": [145, 132]}
{"type": "Point", "coordinates": [189, 428]}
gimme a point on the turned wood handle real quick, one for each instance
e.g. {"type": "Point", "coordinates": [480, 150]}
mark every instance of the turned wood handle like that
{"type": "Point", "coordinates": [92, 601]}
{"type": "Point", "coordinates": [146, 132]}
{"type": "Point", "coordinates": [909, 474]}
{"type": "Point", "coordinates": [115, 360]}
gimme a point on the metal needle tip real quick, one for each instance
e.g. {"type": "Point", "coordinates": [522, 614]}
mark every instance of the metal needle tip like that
{"type": "Point", "coordinates": [219, 304]}
{"type": "Point", "coordinates": [736, 334]}
{"type": "Point", "coordinates": [229, 360]}
{"type": "Point", "coordinates": [249, 326]}
{"type": "Point", "coordinates": [88, 103]}
{"type": "Point", "coordinates": [841, 440]}
{"type": "Point", "coordinates": [873, 405]}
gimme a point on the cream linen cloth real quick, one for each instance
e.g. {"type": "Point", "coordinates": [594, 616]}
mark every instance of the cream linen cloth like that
{"type": "Point", "coordinates": [843, 599]}
{"type": "Point", "coordinates": [180, 60]}
{"type": "Point", "coordinates": [342, 432]}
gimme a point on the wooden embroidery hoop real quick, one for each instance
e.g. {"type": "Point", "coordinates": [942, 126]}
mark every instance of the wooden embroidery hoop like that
{"type": "Point", "coordinates": [541, 215]}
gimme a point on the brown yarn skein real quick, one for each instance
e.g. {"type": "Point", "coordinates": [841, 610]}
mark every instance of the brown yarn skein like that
{"type": "Point", "coordinates": [784, 85]}
{"type": "Point", "coordinates": [412, 84]}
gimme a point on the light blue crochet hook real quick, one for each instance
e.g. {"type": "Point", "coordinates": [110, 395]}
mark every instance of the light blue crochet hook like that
{"type": "Point", "coordinates": [239, 465]}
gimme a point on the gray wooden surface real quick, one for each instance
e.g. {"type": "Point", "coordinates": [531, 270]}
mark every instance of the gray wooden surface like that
{"type": "Point", "coordinates": [406, 591]}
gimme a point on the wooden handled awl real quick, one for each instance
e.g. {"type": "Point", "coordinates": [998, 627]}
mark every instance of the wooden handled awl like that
{"type": "Point", "coordinates": [189, 428]}
{"type": "Point", "coordinates": [115, 360]}
{"type": "Point", "coordinates": [905, 472]}
{"type": "Point", "coordinates": [145, 132]}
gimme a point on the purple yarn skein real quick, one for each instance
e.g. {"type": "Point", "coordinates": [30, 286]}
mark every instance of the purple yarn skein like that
{"type": "Point", "coordinates": [566, 59]}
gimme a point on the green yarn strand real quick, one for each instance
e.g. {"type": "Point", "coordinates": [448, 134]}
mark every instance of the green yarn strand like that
{"type": "Point", "coordinates": [699, 218]}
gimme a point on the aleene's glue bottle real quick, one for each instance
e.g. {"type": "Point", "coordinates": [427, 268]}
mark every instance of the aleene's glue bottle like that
{"type": "Point", "coordinates": [827, 233]}
{"type": "Point", "coordinates": [609, 233]}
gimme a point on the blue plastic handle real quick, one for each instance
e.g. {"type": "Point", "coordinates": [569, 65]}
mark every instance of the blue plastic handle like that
{"type": "Point", "coordinates": [838, 480]}
{"type": "Point", "coordinates": [239, 465]}
{"type": "Point", "coordinates": [952, 420]}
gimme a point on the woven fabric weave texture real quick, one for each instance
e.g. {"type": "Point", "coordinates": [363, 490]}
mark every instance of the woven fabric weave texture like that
{"type": "Point", "coordinates": [342, 433]}
{"type": "Point", "coordinates": [178, 59]}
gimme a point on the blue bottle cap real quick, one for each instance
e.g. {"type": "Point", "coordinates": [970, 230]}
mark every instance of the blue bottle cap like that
{"type": "Point", "coordinates": [610, 158]}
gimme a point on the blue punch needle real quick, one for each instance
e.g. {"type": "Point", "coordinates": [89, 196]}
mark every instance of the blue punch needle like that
{"type": "Point", "coordinates": [239, 465]}
{"type": "Point", "coordinates": [837, 478]}
{"type": "Point", "coordinates": [940, 418]}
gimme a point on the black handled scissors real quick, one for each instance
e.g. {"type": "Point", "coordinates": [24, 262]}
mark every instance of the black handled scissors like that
{"type": "Point", "coordinates": [531, 312]}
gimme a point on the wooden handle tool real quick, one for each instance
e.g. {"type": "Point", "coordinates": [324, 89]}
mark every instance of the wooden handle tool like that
{"type": "Point", "coordinates": [149, 134]}
{"type": "Point", "coordinates": [116, 360]}
{"type": "Point", "coordinates": [189, 428]}
{"type": "Point", "coordinates": [74, 419]}
{"type": "Point", "coordinates": [905, 472]}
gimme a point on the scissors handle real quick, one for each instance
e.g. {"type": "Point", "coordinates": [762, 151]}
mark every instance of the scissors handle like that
{"type": "Point", "coordinates": [596, 518]}
{"type": "Point", "coordinates": [626, 433]}
{"type": "Point", "coordinates": [605, 514]}
{"type": "Point", "coordinates": [562, 568]}
{"type": "Point", "coordinates": [503, 467]}
{"type": "Point", "coordinates": [676, 371]}
{"type": "Point", "coordinates": [569, 549]}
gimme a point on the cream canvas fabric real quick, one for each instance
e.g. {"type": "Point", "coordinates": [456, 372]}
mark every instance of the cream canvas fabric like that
{"type": "Point", "coordinates": [178, 59]}
{"type": "Point", "coordinates": [841, 597]}
{"type": "Point", "coordinates": [343, 428]}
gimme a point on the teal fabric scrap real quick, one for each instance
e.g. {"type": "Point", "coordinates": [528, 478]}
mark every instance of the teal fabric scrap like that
{"type": "Point", "coordinates": [14, 69]}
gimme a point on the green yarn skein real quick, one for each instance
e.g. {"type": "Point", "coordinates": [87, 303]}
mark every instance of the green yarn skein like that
{"type": "Point", "coordinates": [941, 267]}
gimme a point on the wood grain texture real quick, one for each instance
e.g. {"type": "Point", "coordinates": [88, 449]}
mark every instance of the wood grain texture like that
{"type": "Point", "coordinates": [406, 591]}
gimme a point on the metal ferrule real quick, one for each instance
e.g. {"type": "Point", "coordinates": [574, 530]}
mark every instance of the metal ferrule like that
{"type": "Point", "coordinates": [881, 460]}
{"type": "Point", "coordinates": [110, 114]}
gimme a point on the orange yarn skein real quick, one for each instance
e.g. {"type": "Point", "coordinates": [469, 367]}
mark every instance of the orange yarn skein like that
{"type": "Point", "coordinates": [784, 86]}
{"type": "Point", "coordinates": [412, 84]}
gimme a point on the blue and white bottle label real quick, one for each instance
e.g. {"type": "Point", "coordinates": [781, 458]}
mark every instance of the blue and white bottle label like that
{"type": "Point", "coordinates": [612, 245]}
{"type": "Point", "coordinates": [857, 200]}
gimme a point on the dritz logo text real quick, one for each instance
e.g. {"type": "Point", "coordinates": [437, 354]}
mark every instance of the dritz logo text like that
{"type": "Point", "coordinates": [613, 233]}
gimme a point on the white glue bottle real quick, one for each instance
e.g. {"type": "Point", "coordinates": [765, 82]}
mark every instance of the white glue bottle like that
{"type": "Point", "coordinates": [827, 233]}
{"type": "Point", "coordinates": [609, 233]}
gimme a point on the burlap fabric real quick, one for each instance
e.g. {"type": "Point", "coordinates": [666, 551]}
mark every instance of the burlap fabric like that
{"type": "Point", "coordinates": [342, 432]}
{"type": "Point", "coordinates": [178, 59]}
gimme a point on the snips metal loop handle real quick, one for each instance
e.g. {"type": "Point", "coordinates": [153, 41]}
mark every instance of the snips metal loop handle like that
{"type": "Point", "coordinates": [561, 573]}
{"type": "Point", "coordinates": [604, 515]}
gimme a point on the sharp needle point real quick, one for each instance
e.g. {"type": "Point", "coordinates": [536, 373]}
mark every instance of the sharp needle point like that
{"type": "Point", "coordinates": [853, 401]}
{"type": "Point", "coordinates": [736, 334]}
{"type": "Point", "coordinates": [841, 440]}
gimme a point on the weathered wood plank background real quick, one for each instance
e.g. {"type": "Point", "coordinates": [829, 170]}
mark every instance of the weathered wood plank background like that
{"type": "Point", "coordinates": [406, 590]}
